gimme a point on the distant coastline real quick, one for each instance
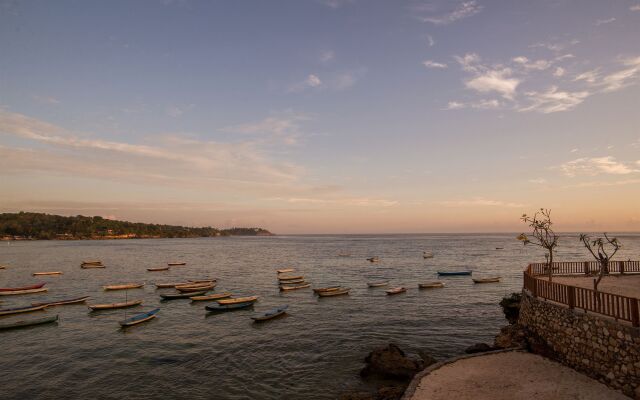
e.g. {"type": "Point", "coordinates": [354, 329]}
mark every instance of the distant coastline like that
{"type": "Point", "coordinates": [39, 226]}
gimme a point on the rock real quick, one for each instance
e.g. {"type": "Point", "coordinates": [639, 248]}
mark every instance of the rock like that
{"type": "Point", "coordinates": [357, 396]}
{"type": "Point", "coordinates": [390, 392]}
{"type": "Point", "coordinates": [511, 336]}
{"type": "Point", "coordinates": [637, 396]}
{"type": "Point", "coordinates": [391, 362]}
{"type": "Point", "coordinates": [478, 348]}
{"type": "Point", "coordinates": [511, 307]}
{"type": "Point", "coordinates": [427, 359]}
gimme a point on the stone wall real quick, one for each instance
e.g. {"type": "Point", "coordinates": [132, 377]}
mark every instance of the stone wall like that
{"type": "Point", "coordinates": [596, 346]}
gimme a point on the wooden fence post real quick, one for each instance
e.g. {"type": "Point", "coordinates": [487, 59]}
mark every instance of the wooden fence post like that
{"type": "Point", "coordinates": [621, 267]}
{"type": "Point", "coordinates": [586, 267]}
{"type": "Point", "coordinates": [635, 314]}
{"type": "Point", "coordinates": [572, 297]}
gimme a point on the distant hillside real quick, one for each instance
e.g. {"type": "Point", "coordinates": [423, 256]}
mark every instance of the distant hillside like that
{"type": "Point", "coordinates": [27, 225]}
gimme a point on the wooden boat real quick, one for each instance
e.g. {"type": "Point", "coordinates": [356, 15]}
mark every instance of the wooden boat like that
{"type": "Point", "coordinates": [238, 300]}
{"type": "Point", "coordinates": [47, 273]}
{"type": "Point", "coordinates": [373, 259]}
{"type": "Point", "coordinates": [294, 287]}
{"type": "Point", "coordinates": [430, 285]}
{"type": "Point", "coordinates": [86, 266]}
{"type": "Point", "coordinates": [377, 284]}
{"type": "Point", "coordinates": [186, 295]}
{"type": "Point", "coordinates": [26, 291]}
{"type": "Point", "coordinates": [283, 271]}
{"type": "Point", "coordinates": [331, 293]}
{"type": "Point", "coordinates": [13, 289]}
{"type": "Point", "coordinates": [427, 254]}
{"type": "Point", "coordinates": [169, 285]}
{"type": "Point", "coordinates": [396, 290]}
{"type": "Point", "coordinates": [29, 322]}
{"type": "Point", "coordinates": [454, 273]}
{"type": "Point", "coordinates": [207, 297]}
{"type": "Point", "coordinates": [158, 269]}
{"type": "Point", "coordinates": [140, 318]}
{"type": "Point", "coordinates": [271, 314]}
{"type": "Point", "coordinates": [3, 266]}
{"type": "Point", "coordinates": [487, 280]}
{"type": "Point", "coordinates": [326, 289]}
{"type": "Point", "coordinates": [195, 288]}
{"type": "Point", "coordinates": [125, 304]}
{"type": "Point", "coordinates": [62, 302]}
{"type": "Point", "coordinates": [124, 286]}
{"type": "Point", "coordinates": [228, 307]}
{"type": "Point", "coordinates": [175, 263]}
{"type": "Point", "coordinates": [91, 262]}
{"type": "Point", "coordinates": [499, 248]}
{"type": "Point", "coordinates": [20, 310]}
{"type": "Point", "coordinates": [288, 282]}
{"type": "Point", "coordinates": [290, 278]}
{"type": "Point", "coordinates": [212, 280]}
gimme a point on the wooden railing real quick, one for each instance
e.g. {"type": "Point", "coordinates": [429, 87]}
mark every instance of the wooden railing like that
{"type": "Point", "coordinates": [612, 305]}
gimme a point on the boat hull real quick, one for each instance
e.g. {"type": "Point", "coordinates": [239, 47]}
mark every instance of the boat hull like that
{"type": "Point", "coordinates": [228, 307]}
{"type": "Point", "coordinates": [47, 273]}
{"type": "Point", "coordinates": [285, 288]}
{"type": "Point", "coordinates": [211, 297]}
{"type": "Point", "coordinates": [27, 323]}
{"type": "Point", "coordinates": [28, 291]}
{"type": "Point", "coordinates": [392, 292]}
{"type": "Point", "coordinates": [275, 313]}
{"type": "Point", "coordinates": [458, 273]}
{"type": "Point", "coordinates": [186, 295]}
{"type": "Point", "coordinates": [62, 302]}
{"type": "Point", "coordinates": [112, 306]}
{"type": "Point", "coordinates": [124, 287]}
{"type": "Point", "coordinates": [13, 289]}
{"type": "Point", "coordinates": [333, 293]}
{"type": "Point", "coordinates": [140, 318]}
{"type": "Point", "coordinates": [21, 310]}
{"type": "Point", "coordinates": [486, 280]}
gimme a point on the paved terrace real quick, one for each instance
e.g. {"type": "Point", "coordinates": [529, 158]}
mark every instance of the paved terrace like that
{"type": "Point", "coordinates": [624, 285]}
{"type": "Point", "coordinates": [508, 376]}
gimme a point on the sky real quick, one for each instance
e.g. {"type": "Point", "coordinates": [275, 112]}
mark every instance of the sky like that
{"type": "Point", "coordinates": [323, 116]}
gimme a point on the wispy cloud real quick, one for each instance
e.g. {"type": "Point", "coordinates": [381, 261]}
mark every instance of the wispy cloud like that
{"type": "Point", "coordinates": [553, 100]}
{"type": "Point", "coordinates": [285, 127]}
{"type": "Point", "coordinates": [596, 166]}
{"type": "Point", "coordinates": [341, 201]}
{"type": "Point", "coordinates": [336, 3]}
{"type": "Point", "coordinates": [462, 10]}
{"type": "Point", "coordinates": [635, 7]}
{"type": "Point", "coordinates": [454, 105]}
{"type": "Point", "coordinates": [327, 56]}
{"type": "Point", "coordinates": [310, 82]}
{"type": "Point", "coordinates": [499, 80]}
{"type": "Point", "coordinates": [623, 78]}
{"type": "Point", "coordinates": [434, 64]}
{"type": "Point", "coordinates": [46, 99]}
{"type": "Point", "coordinates": [605, 21]}
{"type": "Point", "coordinates": [431, 41]}
{"type": "Point", "coordinates": [538, 181]}
{"type": "Point", "coordinates": [481, 202]}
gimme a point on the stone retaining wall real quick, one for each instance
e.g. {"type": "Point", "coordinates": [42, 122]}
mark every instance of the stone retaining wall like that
{"type": "Point", "coordinates": [603, 349]}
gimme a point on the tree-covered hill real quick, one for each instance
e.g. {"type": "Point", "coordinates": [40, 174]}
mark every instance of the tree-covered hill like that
{"type": "Point", "coordinates": [27, 225]}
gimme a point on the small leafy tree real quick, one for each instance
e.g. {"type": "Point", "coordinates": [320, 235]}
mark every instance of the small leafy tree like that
{"type": "Point", "coordinates": [603, 250]}
{"type": "Point", "coordinates": [542, 235]}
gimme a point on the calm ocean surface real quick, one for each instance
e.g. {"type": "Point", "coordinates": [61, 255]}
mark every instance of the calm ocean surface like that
{"type": "Point", "coordinates": [315, 352]}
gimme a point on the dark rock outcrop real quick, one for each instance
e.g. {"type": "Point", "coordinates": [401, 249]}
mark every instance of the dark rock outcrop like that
{"type": "Point", "coordinates": [511, 336]}
{"type": "Point", "coordinates": [478, 348]}
{"type": "Point", "coordinates": [511, 307]}
{"type": "Point", "coordinates": [390, 362]}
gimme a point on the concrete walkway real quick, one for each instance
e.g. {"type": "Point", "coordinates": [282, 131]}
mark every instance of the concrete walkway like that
{"type": "Point", "coordinates": [510, 376]}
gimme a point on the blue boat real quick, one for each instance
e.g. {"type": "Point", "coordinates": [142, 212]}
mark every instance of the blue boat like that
{"type": "Point", "coordinates": [454, 273]}
{"type": "Point", "coordinates": [140, 318]}
{"type": "Point", "coordinates": [227, 307]}
{"type": "Point", "coordinates": [276, 312]}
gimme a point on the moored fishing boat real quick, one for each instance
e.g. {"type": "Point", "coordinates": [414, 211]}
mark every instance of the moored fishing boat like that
{"type": "Point", "coordinates": [29, 322]}
{"type": "Point", "coordinates": [176, 263]}
{"type": "Point", "coordinates": [326, 289]}
{"type": "Point", "coordinates": [294, 287]}
{"type": "Point", "coordinates": [396, 290]}
{"type": "Point", "coordinates": [292, 281]}
{"type": "Point", "coordinates": [377, 284]}
{"type": "Point", "coordinates": [228, 307]}
{"type": "Point", "coordinates": [124, 286]}
{"type": "Point", "coordinates": [13, 289]}
{"type": "Point", "coordinates": [487, 280]}
{"type": "Point", "coordinates": [238, 300]}
{"type": "Point", "coordinates": [373, 259]}
{"type": "Point", "coordinates": [20, 310]}
{"type": "Point", "coordinates": [430, 285]}
{"type": "Point", "coordinates": [209, 280]}
{"type": "Point", "coordinates": [283, 271]}
{"type": "Point", "coordinates": [169, 285]}
{"type": "Point", "coordinates": [195, 287]}
{"type": "Point", "coordinates": [290, 278]}
{"type": "Point", "coordinates": [140, 318]}
{"type": "Point", "coordinates": [47, 273]}
{"type": "Point", "coordinates": [158, 269]}
{"type": "Point", "coordinates": [331, 293]}
{"type": "Point", "coordinates": [110, 306]}
{"type": "Point", "coordinates": [62, 302]}
{"type": "Point", "coordinates": [271, 314]}
{"type": "Point", "coordinates": [186, 295]}
{"type": "Point", "coordinates": [454, 273]}
{"type": "Point", "coordinates": [91, 263]}
{"type": "Point", "coordinates": [427, 254]}
{"type": "Point", "coordinates": [25, 291]}
{"type": "Point", "coordinates": [208, 297]}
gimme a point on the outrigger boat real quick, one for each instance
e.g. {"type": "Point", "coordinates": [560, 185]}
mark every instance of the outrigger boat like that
{"type": "Point", "coordinates": [430, 285]}
{"type": "Point", "coordinates": [487, 280]}
{"type": "Point", "coordinates": [294, 287]}
{"type": "Point", "coordinates": [132, 303]}
{"type": "Point", "coordinates": [207, 297]}
{"type": "Point", "coordinates": [158, 269]}
{"type": "Point", "coordinates": [186, 295]}
{"type": "Point", "coordinates": [396, 290]}
{"type": "Point", "coordinates": [62, 302]}
{"type": "Point", "coordinates": [378, 284]}
{"type": "Point", "coordinates": [13, 289]}
{"type": "Point", "coordinates": [30, 322]}
{"type": "Point", "coordinates": [124, 286]}
{"type": "Point", "coordinates": [140, 318]}
{"type": "Point", "coordinates": [20, 310]}
{"type": "Point", "coordinates": [338, 292]}
{"type": "Point", "coordinates": [271, 314]}
{"type": "Point", "coordinates": [26, 291]}
{"type": "Point", "coordinates": [47, 273]}
{"type": "Point", "coordinates": [454, 273]}
{"type": "Point", "coordinates": [326, 289]}
{"type": "Point", "coordinates": [175, 263]}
